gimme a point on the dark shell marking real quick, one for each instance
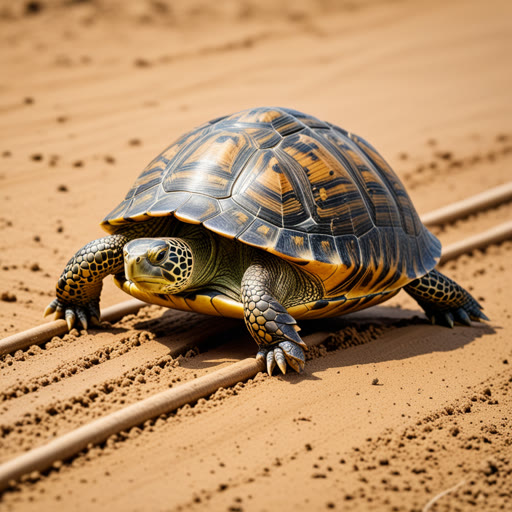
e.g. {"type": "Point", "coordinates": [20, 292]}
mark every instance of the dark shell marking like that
{"type": "Point", "coordinates": [300, 188]}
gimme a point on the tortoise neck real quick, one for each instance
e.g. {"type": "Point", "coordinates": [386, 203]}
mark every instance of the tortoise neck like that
{"type": "Point", "coordinates": [204, 260]}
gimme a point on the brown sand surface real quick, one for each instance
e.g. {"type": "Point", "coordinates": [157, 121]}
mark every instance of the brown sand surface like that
{"type": "Point", "coordinates": [92, 91]}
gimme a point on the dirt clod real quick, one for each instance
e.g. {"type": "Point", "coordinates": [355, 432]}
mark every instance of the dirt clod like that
{"type": "Point", "coordinates": [8, 297]}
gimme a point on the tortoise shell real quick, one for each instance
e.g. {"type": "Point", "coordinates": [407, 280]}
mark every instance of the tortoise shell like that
{"type": "Point", "coordinates": [300, 188]}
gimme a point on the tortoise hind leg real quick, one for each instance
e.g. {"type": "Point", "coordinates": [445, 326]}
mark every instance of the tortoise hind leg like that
{"type": "Point", "coordinates": [444, 301]}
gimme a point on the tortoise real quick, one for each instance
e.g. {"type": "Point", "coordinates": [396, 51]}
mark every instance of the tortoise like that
{"type": "Point", "coordinates": [270, 215]}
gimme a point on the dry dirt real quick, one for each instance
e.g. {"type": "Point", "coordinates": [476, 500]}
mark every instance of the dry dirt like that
{"type": "Point", "coordinates": [390, 411]}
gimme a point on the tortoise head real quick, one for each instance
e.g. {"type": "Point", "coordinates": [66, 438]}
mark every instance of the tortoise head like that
{"type": "Point", "coordinates": [159, 265]}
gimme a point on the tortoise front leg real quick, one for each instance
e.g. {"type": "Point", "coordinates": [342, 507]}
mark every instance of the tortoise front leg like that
{"type": "Point", "coordinates": [271, 326]}
{"type": "Point", "coordinates": [79, 286]}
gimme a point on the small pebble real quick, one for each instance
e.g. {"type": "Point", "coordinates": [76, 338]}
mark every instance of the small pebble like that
{"type": "Point", "coordinates": [444, 155]}
{"type": "Point", "coordinates": [8, 297]}
{"type": "Point", "coordinates": [141, 63]}
{"type": "Point", "coordinates": [33, 7]}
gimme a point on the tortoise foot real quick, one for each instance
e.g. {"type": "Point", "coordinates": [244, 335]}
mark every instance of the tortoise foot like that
{"type": "Point", "coordinates": [462, 315]}
{"type": "Point", "coordinates": [86, 314]}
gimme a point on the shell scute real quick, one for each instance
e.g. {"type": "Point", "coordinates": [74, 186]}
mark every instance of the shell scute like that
{"type": "Point", "coordinates": [270, 192]}
{"type": "Point", "coordinates": [324, 249]}
{"type": "Point", "coordinates": [335, 146]}
{"type": "Point", "coordinates": [310, 121]}
{"type": "Point", "coordinates": [384, 209]}
{"type": "Point", "coordinates": [294, 242]}
{"type": "Point", "coordinates": [258, 115]}
{"type": "Point", "coordinates": [351, 259]}
{"type": "Point", "coordinates": [197, 209]}
{"type": "Point", "coordinates": [142, 202]}
{"type": "Point", "coordinates": [152, 174]}
{"type": "Point", "coordinates": [260, 234]}
{"type": "Point", "coordinates": [116, 216]}
{"type": "Point", "coordinates": [212, 166]}
{"type": "Point", "coordinates": [264, 137]}
{"type": "Point", "coordinates": [168, 202]}
{"type": "Point", "coordinates": [231, 222]}
{"type": "Point", "coordinates": [336, 198]}
{"type": "Point", "coordinates": [286, 125]}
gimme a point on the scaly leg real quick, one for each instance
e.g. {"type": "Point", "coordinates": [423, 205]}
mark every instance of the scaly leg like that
{"type": "Point", "coordinates": [271, 326]}
{"type": "Point", "coordinates": [79, 286]}
{"type": "Point", "coordinates": [444, 301]}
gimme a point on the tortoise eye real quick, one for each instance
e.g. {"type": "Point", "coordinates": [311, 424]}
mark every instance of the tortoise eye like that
{"type": "Point", "coordinates": [161, 255]}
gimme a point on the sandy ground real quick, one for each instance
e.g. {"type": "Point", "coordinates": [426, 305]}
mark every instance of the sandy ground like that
{"type": "Point", "coordinates": [91, 91]}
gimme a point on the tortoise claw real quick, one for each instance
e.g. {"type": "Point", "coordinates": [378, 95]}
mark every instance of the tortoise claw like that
{"type": "Point", "coordinates": [82, 317]}
{"type": "Point", "coordinates": [94, 313]}
{"type": "Point", "coordinates": [294, 364]}
{"type": "Point", "coordinates": [478, 316]}
{"type": "Point", "coordinates": [294, 354]}
{"type": "Point", "coordinates": [448, 319]}
{"type": "Point", "coordinates": [280, 359]}
{"type": "Point", "coordinates": [59, 310]}
{"type": "Point", "coordinates": [75, 314]}
{"type": "Point", "coordinates": [444, 318]}
{"type": "Point", "coordinates": [95, 321]}
{"type": "Point", "coordinates": [462, 317]}
{"type": "Point", "coordinates": [70, 318]}
{"type": "Point", "coordinates": [51, 307]}
{"type": "Point", "coordinates": [283, 354]}
{"type": "Point", "coordinates": [271, 362]}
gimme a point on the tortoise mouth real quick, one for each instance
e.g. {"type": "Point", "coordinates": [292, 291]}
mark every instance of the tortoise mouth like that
{"type": "Point", "coordinates": [148, 283]}
{"type": "Point", "coordinates": [144, 285]}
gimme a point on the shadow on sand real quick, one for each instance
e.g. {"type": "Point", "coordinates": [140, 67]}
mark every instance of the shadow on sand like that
{"type": "Point", "coordinates": [401, 334]}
